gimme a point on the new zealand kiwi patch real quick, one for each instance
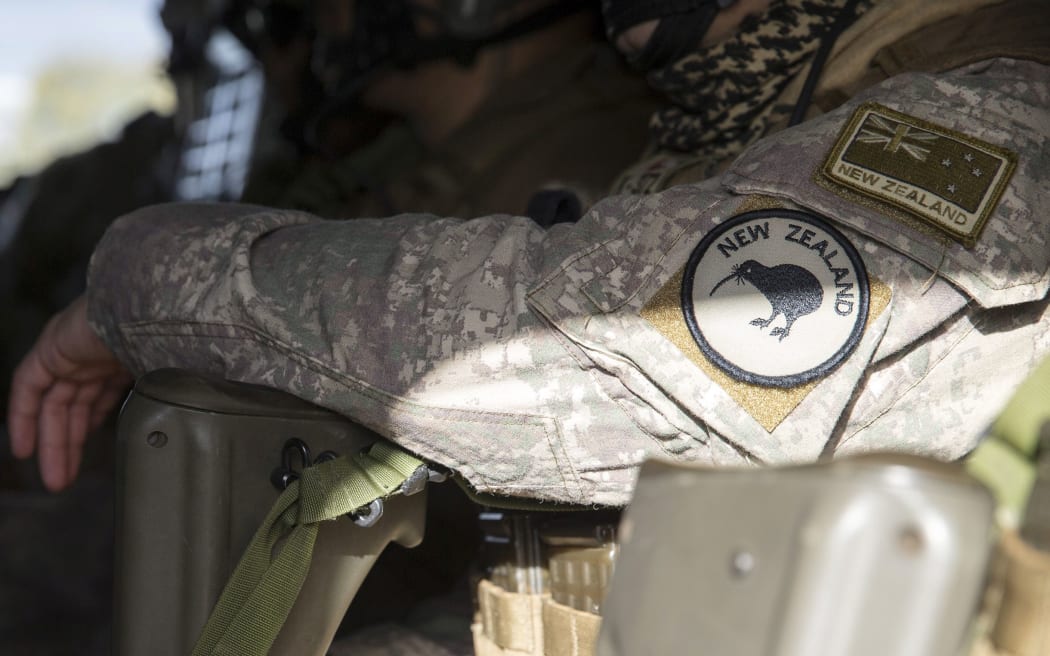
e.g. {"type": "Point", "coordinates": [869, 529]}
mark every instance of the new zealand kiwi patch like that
{"type": "Point", "coordinates": [776, 297]}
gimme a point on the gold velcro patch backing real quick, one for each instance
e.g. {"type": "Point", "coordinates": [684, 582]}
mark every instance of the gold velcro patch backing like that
{"type": "Point", "coordinates": [767, 405]}
{"type": "Point", "coordinates": [945, 178]}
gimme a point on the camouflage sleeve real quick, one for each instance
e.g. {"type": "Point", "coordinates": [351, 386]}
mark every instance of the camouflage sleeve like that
{"type": "Point", "coordinates": [962, 379]}
{"type": "Point", "coordinates": [371, 318]}
{"type": "Point", "coordinates": [214, 286]}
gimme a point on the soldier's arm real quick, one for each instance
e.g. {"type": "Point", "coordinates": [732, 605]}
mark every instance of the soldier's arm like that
{"type": "Point", "coordinates": [255, 293]}
{"type": "Point", "coordinates": [360, 317]}
{"type": "Point", "coordinates": [347, 314]}
{"type": "Point", "coordinates": [429, 330]}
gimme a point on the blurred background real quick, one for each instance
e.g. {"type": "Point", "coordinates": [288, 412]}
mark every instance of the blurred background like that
{"type": "Point", "coordinates": [72, 73]}
{"type": "Point", "coordinates": [88, 131]}
{"type": "Point", "coordinates": [344, 108]}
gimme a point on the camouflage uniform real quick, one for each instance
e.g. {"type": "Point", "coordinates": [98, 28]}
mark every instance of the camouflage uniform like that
{"type": "Point", "coordinates": [532, 362]}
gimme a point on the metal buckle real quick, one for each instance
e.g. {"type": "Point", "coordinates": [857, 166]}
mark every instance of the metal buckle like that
{"type": "Point", "coordinates": [372, 513]}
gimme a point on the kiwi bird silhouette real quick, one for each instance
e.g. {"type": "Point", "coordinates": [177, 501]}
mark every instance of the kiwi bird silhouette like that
{"type": "Point", "coordinates": [791, 291]}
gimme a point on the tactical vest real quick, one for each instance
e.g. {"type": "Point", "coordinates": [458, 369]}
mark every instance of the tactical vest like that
{"type": "Point", "coordinates": [894, 37]}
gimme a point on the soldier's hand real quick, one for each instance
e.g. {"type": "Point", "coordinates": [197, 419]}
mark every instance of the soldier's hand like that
{"type": "Point", "coordinates": [62, 390]}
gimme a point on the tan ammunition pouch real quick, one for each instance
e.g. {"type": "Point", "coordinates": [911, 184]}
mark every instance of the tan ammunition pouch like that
{"type": "Point", "coordinates": [1022, 627]}
{"type": "Point", "coordinates": [547, 578]}
{"type": "Point", "coordinates": [517, 624]}
{"type": "Point", "coordinates": [1014, 621]}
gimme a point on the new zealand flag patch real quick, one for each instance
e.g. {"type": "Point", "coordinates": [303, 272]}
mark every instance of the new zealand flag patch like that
{"type": "Point", "coordinates": [945, 178]}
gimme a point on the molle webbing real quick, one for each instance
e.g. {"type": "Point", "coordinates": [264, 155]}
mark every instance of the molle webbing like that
{"type": "Point", "coordinates": [517, 624]}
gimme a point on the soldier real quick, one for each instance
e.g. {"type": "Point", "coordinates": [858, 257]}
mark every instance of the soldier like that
{"type": "Point", "coordinates": [872, 279]}
{"type": "Point", "coordinates": [494, 102]}
{"type": "Point", "coordinates": [546, 297]}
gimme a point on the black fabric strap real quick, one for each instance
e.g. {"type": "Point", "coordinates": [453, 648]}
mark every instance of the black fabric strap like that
{"type": "Point", "coordinates": [675, 37]}
{"type": "Point", "coordinates": [827, 42]}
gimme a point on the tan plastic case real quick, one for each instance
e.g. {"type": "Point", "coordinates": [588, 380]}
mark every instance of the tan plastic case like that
{"type": "Point", "coordinates": [867, 557]}
{"type": "Point", "coordinates": [195, 457]}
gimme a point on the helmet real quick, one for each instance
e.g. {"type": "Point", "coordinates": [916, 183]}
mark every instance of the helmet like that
{"type": "Point", "coordinates": [263, 24]}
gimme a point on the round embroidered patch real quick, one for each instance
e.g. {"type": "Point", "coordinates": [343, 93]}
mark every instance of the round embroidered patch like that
{"type": "Point", "coordinates": [775, 297]}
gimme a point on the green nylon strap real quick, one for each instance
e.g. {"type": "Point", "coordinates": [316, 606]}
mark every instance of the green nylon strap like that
{"type": "Point", "coordinates": [1004, 460]}
{"type": "Point", "coordinates": [264, 586]}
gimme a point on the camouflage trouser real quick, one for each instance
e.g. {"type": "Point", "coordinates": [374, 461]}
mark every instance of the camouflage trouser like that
{"type": "Point", "coordinates": [390, 640]}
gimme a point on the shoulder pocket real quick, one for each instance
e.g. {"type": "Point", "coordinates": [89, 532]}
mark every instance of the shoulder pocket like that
{"type": "Point", "coordinates": [776, 373]}
{"type": "Point", "coordinates": [931, 156]}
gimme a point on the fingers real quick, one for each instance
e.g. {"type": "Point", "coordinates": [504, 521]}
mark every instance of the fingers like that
{"type": "Point", "coordinates": [57, 415]}
{"type": "Point", "coordinates": [69, 411]}
{"type": "Point", "coordinates": [55, 434]}
{"type": "Point", "coordinates": [28, 385]}
{"type": "Point", "coordinates": [80, 411]}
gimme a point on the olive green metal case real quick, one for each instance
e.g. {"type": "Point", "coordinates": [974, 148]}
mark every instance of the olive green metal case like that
{"type": "Point", "coordinates": [195, 459]}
